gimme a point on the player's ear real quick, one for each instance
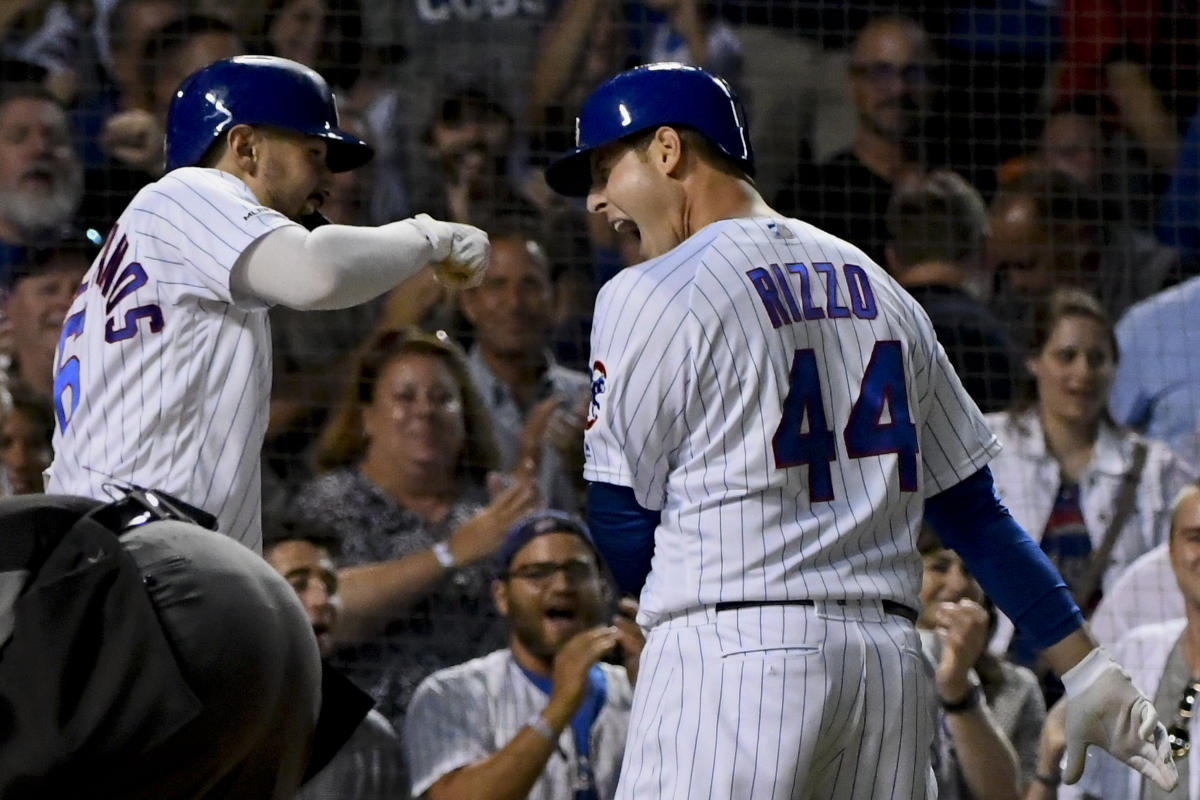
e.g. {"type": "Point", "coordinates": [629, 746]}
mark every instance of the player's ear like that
{"type": "Point", "coordinates": [244, 141]}
{"type": "Point", "coordinates": [666, 149]}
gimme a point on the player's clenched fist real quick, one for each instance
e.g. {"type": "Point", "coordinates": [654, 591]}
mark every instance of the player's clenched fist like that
{"type": "Point", "coordinates": [460, 252]}
{"type": "Point", "coordinates": [1104, 708]}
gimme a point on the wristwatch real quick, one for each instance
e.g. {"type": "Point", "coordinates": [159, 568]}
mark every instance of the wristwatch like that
{"type": "Point", "coordinates": [969, 701]}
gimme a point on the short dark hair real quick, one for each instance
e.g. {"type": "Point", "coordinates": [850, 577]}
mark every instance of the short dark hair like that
{"type": "Point", "coordinates": [695, 140]}
{"type": "Point", "coordinates": [936, 217]}
{"type": "Point", "coordinates": [291, 529]}
{"type": "Point", "coordinates": [25, 89]}
{"type": "Point", "coordinates": [171, 38]}
{"type": "Point", "coordinates": [35, 259]}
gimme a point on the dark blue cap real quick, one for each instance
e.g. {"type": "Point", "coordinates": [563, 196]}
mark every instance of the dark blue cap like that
{"type": "Point", "coordinates": [644, 98]}
{"type": "Point", "coordinates": [540, 523]}
{"type": "Point", "coordinates": [256, 90]}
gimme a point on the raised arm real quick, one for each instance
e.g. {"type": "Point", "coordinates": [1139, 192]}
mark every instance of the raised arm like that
{"type": "Point", "coordinates": [338, 266]}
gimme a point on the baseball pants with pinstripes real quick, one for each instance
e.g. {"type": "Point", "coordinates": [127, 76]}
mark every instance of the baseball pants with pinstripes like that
{"type": "Point", "coordinates": [831, 701]}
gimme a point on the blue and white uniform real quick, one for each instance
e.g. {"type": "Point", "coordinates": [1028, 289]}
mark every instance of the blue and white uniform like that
{"type": "Point", "coordinates": [786, 407]}
{"type": "Point", "coordinates": [162, 375]}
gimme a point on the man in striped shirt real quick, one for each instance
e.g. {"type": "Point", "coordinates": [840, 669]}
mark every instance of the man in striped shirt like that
{"type": "Point", "coordinates": [542, 719]}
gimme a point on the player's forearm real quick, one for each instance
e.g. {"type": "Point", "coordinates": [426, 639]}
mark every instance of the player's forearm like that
{"type": "Point", "coordinates": [508, 774]}
{"type": "Point", "coordinates": [986, 758]}
{"type": "Point", "coordinates": [375, 594]}
{"type": "Point", "coordinates": [334, 266]}
{"type": "Point", "coordinates": [1070, 650]}
{"type": "Point", "coordinates": [623, 532]}
{"type": "Point", "coordinates": [969, 518]}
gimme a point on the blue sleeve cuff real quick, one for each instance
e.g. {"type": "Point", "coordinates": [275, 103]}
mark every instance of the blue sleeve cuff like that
{"type": "Point", "coordinates": [623, 532]}
{"type": "Point", "coordinates": [970, 519]}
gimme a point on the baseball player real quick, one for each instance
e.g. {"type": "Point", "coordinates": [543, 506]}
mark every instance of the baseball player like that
{"type": "Point", "coordinates": [771, 414]}
{"type": "Point", "coordinates": [163, 369]}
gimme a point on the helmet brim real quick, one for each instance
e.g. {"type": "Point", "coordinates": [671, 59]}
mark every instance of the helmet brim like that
{"type": "Point", "coordinates": [345, 152]}
{"type": "Point", "coordinates": [571, 174]}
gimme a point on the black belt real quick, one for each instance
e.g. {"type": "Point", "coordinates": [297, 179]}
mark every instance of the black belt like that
{"type": "Point", "coordinates": [139, 505]}
{"type": "Point", "coordinates": [889, 606]}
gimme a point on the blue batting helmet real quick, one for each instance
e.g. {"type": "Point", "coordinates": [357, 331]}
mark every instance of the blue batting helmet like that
{"type": "Point", "coordinates": [256, 90]}
{"type": "Point", "coordinates": [646, 97]}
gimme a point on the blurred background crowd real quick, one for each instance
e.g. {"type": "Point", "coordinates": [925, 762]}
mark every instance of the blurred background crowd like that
{"type": "Point", "coordinates": [1030, 171]}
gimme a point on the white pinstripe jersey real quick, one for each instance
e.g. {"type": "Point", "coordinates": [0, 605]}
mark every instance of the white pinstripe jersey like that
{"type": "Point", "coordinates": [788, 435]}
{"type": "Point", "coordinates": [161, 377]}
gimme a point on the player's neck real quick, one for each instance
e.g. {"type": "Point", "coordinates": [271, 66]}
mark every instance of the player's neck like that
{"type": "Point", "coordinates": [715, 196]}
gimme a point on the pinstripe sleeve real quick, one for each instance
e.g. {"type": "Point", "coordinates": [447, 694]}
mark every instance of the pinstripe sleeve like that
{"type": "Point", "coordinates": [955, 440]}
{"type": "Point", "coordinates": [641, 370]}
{"type": "Point", "coordinates": [213, 217]}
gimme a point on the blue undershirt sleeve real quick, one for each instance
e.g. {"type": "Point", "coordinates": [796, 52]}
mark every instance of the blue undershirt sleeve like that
{"type": "Point", "coordinates": [970, 519]}
{"type": "Point", "coordinates": [623, 532]}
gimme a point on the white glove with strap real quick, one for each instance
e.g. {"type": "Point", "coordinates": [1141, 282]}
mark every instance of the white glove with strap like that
{"type": "Point", "coordinates": [1104, 708]}
{"type": "Point", "coordinates": [460, 252]}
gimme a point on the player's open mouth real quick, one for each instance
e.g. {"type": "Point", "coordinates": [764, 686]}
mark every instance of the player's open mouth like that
{"type": "Point", "coordinates": [627, 226]}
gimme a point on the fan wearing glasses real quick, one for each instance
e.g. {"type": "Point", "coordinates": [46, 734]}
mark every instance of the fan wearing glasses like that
{"type": "Point", "coordinates": [543, 718]}
{"type": "Point", "coordinates": [1163, 659]}
{"type": "Point", "coordinates": [892, 86]}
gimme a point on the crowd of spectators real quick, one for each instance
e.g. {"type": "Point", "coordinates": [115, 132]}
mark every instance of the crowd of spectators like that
{"type": "Point", "coordinates": [1029, 171]}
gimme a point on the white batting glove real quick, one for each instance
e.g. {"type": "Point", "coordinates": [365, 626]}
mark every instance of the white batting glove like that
{"type": "Point", "coordinates": [460, 252]}
{"type": "Point", "coordinates": [1104, 708]}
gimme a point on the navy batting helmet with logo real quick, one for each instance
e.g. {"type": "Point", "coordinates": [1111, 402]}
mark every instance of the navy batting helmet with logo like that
{"type": "Point", "coordinates": [256, 90]}
{"type": "Point", "coordinates": [646, 97]}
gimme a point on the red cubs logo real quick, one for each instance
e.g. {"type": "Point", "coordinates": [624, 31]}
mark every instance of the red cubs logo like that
{"type": "Point", "coordinates": [599, 375]}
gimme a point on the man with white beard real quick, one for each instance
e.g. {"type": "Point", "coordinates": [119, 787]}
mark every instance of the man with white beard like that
{"type": "Point", "coordinates": [41, 177]}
